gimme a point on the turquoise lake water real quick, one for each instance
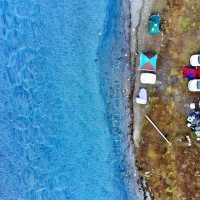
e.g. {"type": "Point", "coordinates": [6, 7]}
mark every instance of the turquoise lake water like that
{"type": "Point", "coordinates": [60, 124]}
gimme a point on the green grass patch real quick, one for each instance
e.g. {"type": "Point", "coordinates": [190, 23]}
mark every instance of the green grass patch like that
{"type": "Point", "coordinates": [193, 135]}
{"type": "Point", "coordinates": [185, 23]}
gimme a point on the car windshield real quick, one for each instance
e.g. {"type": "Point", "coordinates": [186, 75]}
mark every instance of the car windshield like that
{"type": "Point", "coordinates": [199, 59]}
{"type": "Point", "coordinates": [198, 84]}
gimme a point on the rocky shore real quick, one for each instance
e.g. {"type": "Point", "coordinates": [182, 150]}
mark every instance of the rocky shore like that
{"type": "Point", "coordinates": [139, 11]}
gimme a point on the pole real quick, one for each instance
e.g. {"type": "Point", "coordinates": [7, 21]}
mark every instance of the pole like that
{"type": "Point", "coordinates": [158, 130]}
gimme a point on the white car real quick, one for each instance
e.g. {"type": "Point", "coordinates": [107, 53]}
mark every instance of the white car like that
{"type": "Point", "coordinates": [194, 85]}
{"type": "Point", "coordinates": [195, 60]}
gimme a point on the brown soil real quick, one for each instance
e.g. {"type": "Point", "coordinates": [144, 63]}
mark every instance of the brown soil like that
{"type": "Point", "coordinates": [172, 172]}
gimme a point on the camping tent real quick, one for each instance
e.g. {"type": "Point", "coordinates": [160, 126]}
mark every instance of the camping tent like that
{"type": "Point", "coordinates": [154, 25]}
{"type": "Point", "coordinates": [148, 78]}
{"type": "Point", "coordinates": [142, 96]}
{"type": "Point", "coordinates": [190, 72]}
{"type": "Point", "coordinates": [147, 62]}
{"type": "Point", "coordinates": [198, 72]}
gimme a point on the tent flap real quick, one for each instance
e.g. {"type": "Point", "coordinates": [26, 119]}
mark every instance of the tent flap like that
{"type": "Point", "coordinates": [143, 59]}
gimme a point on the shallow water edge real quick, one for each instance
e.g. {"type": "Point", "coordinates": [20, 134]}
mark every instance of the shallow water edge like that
{"type": "Point", "coordinates": [117, 78]}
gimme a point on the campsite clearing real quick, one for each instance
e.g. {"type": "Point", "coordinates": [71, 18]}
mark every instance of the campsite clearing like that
{"type": "Point", "coordinates": [173, 170]}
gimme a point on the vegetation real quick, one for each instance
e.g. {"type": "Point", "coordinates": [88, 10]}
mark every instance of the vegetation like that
{"type": "Point", "coordinates": [185, 23]}
{"type": "Point", "coordinates": [172, 172]}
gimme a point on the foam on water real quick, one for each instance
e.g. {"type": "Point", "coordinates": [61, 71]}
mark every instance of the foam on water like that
{"type": "Point", "coordinates": [55, 141]}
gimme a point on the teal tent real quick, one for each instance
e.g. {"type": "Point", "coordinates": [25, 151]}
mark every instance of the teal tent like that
{"type": "Point", "coordinates": [154, 25]}
{"type": "Point", "coordinates": [147, 61]}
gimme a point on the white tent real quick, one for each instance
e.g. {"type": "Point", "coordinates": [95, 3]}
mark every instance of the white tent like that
{"type": "Point", "coordinates": [148, 78]}
{"type": "Point", "coordinates": [142, 96]}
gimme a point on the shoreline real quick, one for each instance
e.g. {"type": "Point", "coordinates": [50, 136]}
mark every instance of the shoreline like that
{"type": "Point", "coordinates": [119, 81]}
{"type": "Point", "coordinates": [138, 31]}
{"type": "Point", "coordinates": [128, 83]}
{"type": "Point", "coordinates": [139, 12]}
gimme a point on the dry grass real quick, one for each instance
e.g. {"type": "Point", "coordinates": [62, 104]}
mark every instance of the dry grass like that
{"type": "Point", "coordinates": [172, 173]}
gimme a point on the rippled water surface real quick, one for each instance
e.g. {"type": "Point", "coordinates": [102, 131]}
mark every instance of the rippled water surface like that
{"type": "Point", "coordinates": [55, 138]}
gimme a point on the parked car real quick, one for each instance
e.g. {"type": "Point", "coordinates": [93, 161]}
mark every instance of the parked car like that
{"type": "Point", "coordinates": [194, 85]}
{"type": "Point", "coordinates": [195, 60]}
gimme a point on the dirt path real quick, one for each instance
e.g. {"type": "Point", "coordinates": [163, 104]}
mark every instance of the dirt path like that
{"type": "Point", "coordinates": [140, 10]}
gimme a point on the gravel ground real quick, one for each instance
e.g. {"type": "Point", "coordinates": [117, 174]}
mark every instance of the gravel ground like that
{"type": "Point", "coordinates": [140, 11]}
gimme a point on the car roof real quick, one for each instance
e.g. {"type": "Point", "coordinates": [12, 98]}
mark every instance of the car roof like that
{"type": "Point", "coordinates": [198, 84]}
{"type": "Point", "coordinates": [198, 58]}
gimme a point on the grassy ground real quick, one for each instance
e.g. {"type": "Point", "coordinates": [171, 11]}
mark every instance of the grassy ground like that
{"type": "Point", "coordinates": [172, 172]}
